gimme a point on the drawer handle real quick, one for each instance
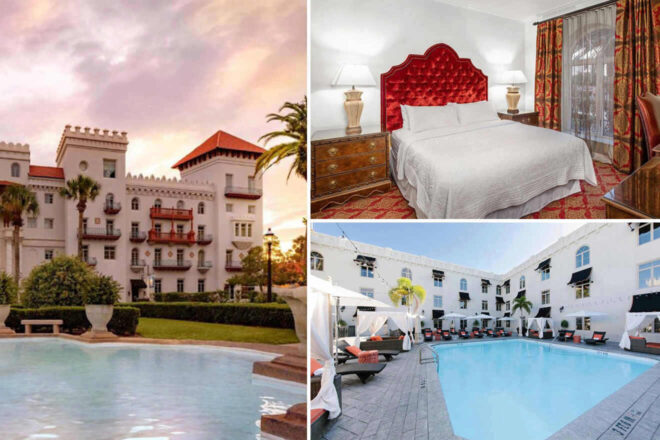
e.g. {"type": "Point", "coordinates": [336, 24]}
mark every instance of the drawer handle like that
{"type": "Point", "coordinates": [372, 146]}
{"type": "Point", "coordinates": [333, 183]}
{"type": "Point", "coordinates": [372, 159]}
{"type": "Point", "coordinates": [372, 174]}
{"type": "Point", "coordinates": [332, 167]}
{"type": "Point", "coordinates": [333, 151]}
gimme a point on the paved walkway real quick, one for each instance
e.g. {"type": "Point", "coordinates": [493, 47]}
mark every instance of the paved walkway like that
{"type": "Point", "coordinates": [398, 403]}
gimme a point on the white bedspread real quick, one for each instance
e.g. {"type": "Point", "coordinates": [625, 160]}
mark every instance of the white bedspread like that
{"type": "Point", "coordinates": [471, 171]}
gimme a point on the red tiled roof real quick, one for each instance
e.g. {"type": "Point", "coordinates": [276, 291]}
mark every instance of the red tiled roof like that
{"type": "Point", "coordinates": [49, 172]}
{"type": "Point", "coordinates": [220, 140]}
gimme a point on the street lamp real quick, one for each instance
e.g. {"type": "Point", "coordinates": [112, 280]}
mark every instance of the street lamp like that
{"type": "Point", "coordinates": [270, 237]}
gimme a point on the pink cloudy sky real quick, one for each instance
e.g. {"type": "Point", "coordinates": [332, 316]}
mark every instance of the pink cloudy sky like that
{"type": "Point", "coordinates": [170, 73]}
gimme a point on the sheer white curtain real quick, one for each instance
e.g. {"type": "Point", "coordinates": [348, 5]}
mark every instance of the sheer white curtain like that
{"type": "Point", "coordinates": [588, 79]}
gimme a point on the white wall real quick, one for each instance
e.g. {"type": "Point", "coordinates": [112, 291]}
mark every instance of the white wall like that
{"type": "Point", "coordinates": [382, 33]}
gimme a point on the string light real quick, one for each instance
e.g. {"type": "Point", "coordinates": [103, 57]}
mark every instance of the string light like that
{"type": "Point", "coordinates": [357, 251]}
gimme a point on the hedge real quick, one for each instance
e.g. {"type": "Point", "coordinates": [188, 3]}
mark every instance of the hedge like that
{"type": "Point", "coordinates": [262, 315]}
{"type": "Point", "coordinates": [205, 297]}
{"type": "Point", "coordinates": [124, 320]}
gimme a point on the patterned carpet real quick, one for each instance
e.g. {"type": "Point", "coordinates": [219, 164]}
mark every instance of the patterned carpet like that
{"type": "Point", "coordinates": [392, 205]}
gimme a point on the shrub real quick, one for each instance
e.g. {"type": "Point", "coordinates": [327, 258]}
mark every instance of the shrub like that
{"type": "Point", "coordinates": [124, 320]}
{"type": "Point", "coordinates": [104, 290]}
{"type": "Point", "coordinates": [564, 323]}
{"type": "Point", "coordinates": [62, 281]}
{"type": "Point", "coordinates": [263, 315]}
{"type": "Point", "coordinates": [8, 289]}
{"type": "Point", "coordinates": [204, 297]}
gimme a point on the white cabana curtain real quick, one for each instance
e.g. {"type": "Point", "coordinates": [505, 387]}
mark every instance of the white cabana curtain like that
{"type": "Point", "coordinates": [540, 322]}
{"type": "Point", "coordinates": [635, 321]}
{"type": "Point", "coordinates": [372, 321]}
{"type": "Point", "coordinates": [320, 349]}
{"type": "Point", "coordinates": [401, 320]}
{"type": "Point", "coordinates": [404, 323]}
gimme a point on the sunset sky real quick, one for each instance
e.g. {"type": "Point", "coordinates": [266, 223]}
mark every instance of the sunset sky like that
{"type": "Point", "coordinates": [170, 73]}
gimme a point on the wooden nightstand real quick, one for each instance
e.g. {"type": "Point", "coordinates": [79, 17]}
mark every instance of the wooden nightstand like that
{"type": "Point", "coordinates": [524, 117]}
{"type": "Point", "coordinates": [348, 166]}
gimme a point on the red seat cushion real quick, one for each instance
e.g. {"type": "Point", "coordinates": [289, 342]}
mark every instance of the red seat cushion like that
{"type": "Point", "coordinates": [598, 337]}
{"type": "Point", "coordinates": [636, 337]}
{"type": "Point", "coordinates": [315, 414]}
{"type": "Point", "coordinates": [375, 338]}
{"type": "Point", "coordinates": [653, 344]}
{"type": "Point", "coordinates": [314, 365]}
{"type": "Point", "coordinates": [352, 349]}
{"type": "Point", "coordinates": [401, 337]}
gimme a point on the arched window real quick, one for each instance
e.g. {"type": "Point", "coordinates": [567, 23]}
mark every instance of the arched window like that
{"type": "Point", "coordinates": [582, 256]}
{"type": "Point", "coordinates": [157, 203]}
{"type": "Point", "coordinates": [135, 203]}
{"type": "Point", "coordinates": [463, 284]}
{"type": "Point", "coordinates": [200, 258]}
{"type": "Point", "coordinates": [200, 208]}
{"type": "Point", "coordinates": [406, 273]}
{"type": "Point", "coordinates": [316, 261]}
{"type": "Point", "coordinates": [15, 170]}
{"type": "Point", "coordinates": [180, 204]}
{"type": "Point", "coordinates": [522, 282]}
{"type": "Point", "coordinates": [135, 256]}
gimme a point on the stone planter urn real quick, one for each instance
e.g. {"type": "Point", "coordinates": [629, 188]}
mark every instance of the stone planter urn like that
{"type": "Point", "coordinates": [296, 298]}
{"type": "Point", "coordinates": [4, 314]}
{"type": "Point", "coordinates": [99, 316]}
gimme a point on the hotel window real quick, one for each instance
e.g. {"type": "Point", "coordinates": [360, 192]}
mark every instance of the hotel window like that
{"type": "Point", "coordinates": [508, 306]}
{"type": "Point", "coordinates": [179, 257]}
{"type": "Point", "coordinates": [522, 282]}
{"type": "Point", "coordinates": [251, 185]}
{"type": "Point", "coordinates": [484, 288]}
{"type": "Point", "coordinates": [85, 252]}
{"type": "Point", "coordinates": [583, 323]}
{"type": "Point", "coordinates": [582, 290]}
{"type": "Point", "coordinates": [179, 285]}
{"type": "Point", "coordinates": [437, 281]}
{"type": "Point", "coordinates": [406, 273]}
{"type": "Point", "coordinates": [158, 286]}
{"type": "Point", "coordinates": [201, 231]}
{"type": "Point", "coordinates": [367, 292]}
{"type": "Point", "coordinates": [109, 168]}
{"type": "Point", "coordinates": [158, 203]}
{"type": "Point", "coordinates": [507, 288]}
{"type": "Point", "coordinates": [498, 323]}
{"type": "Point", "coordinates": [545, 274]}
{"type": "Point", "coordinates": [48, 198]}
{"type": "Point", "coordinates": [437, 301]}
{"type": "Point", "coordinates": [229, 257]}
{"type": "Point", "coordinates": [15, 170]}
{"type": "Point", "coordinates": [84, 225]}
{"type": "Point", "coordinates": [110, 227]}
{"type": "Point", "coordinates": [498, 290]}
{"type": "Point", "coordinates": [135, 204]}
{"type": "Point", "coordinates": [48, 254]}
{"type": "Point", "coordinates": [32, 222]}
{"type": "Point", "coordinates": [179, 230]}
{"type": "Point", "coordinates": [135, 229]}
{"type": "Point", "coordinates": [229, 207]}
{"type": "Point", "coordinates": [158, 228]}
{"type": "Point", "coordinates": [649, 275]}
{"type": "Point", "coordinates": [484, 305]}
{"type": "Point", "coordinates": [252, 209]}
{"type": "Point", "coordinates": [109, 253]}
{"type": "Point", "coordinates": [158, 255]}
{"type": "Point", "coordinates": [367, 271]}
{"type": "Point", "coordinates": [498, 306]}
{"type": "Point", "coordinates": [316, 261]}
{"type": "Point", "coordinates": [249, 230]}
{"type": "Point", "coordinates": [229, 180]}
{"type": "Point", "coordinates": [582, 256]}
{"type": "Point", "coordinates": [200, 208]}
{"type": "Point", "coordinates": [463, 284]}
{"type": "Point", "coordinates": [135, 256]}
{"type": "Point", "coordinates": [648, 232]}
{"type": "Point", "coordinates": [180, 204]}
{"type": "Point", "coordinates": [201, 285]}
{"type": "Point", "coordinates": [462, 304]}
{"type": "Point", "coordinates": [48, 223]}
{"type": "Point", "coordinates": [545, 297]}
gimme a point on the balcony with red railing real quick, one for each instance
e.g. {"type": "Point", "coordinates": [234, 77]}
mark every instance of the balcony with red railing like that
{"type": "Point", "coordinates": [101, 234]}
{"type": "Point", "coordinates": [204, 239]}
{"type": "Point", "coordinates": [112, 208]}
{"type": "Point", "coordinates": [171, 237]}
{"type": "Point", "coordinates": [233, 266]}
{"type": "Point", "coordinates": [240, 192]}
{"type": "Point", "coordinates": [170, 213]}
{"type": "Point", "coordinates": [179, 265]}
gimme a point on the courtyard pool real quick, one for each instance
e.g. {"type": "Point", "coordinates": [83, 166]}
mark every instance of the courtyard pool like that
{"type": "Point", "coordinates": [59, 389]}
{"type": "Point", "coordinates": [525, 390]}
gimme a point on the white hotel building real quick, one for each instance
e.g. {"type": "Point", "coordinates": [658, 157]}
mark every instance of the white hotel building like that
{"type": "Point", "coordinates": [186, 234]}
{"type": "Point", "coordinates": [597, 268]}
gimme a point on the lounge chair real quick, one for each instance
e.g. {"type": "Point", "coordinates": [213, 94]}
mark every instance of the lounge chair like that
{"type": "Point", "coordinates": [363, 371]}
{"type": "Point", "coordinates": [501, 332]}
{"type": "Point", "coordinates": [446, 335]}
{"type": "Point", "coordinates": [639, 345]}
{"type": "Point", "coordinates": [597, 338]}
{"type": "Point", "coordinates": [463, 334]}
{"type": "Point", "coordinates": [453, 331]}
{"type": "Point", "coordinates": [477, 334]}
{"type": "Point", "coordinates": [385, 344]}
{"type": "Point", "coordinates": [534, 334]}
{"type": "Point", "coordinates": [566, 336]}
{"type": "Point", "coordinates": [319, 417]}
{"type": "Point", "coordinates": [368, 356]}
{"type": "Point", "coordinates": [428, 334]}
{"type": "Point", "coordinates": [491, 333]}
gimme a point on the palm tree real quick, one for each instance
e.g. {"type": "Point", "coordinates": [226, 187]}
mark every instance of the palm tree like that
{"type": "Point", "coordinates": [15, 201]}
{"type": "Point", "coordinates": [522, 304]}
{"type": "Point", "coordinates": [406, 294]}
{"type": "Point", "coordinates": [82, 188]}
{"type": "Point", "coordinates": [295, 128]}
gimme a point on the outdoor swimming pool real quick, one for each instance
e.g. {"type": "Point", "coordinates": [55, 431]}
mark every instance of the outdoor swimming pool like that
{"type": "Point", "coordinates": [58, 389]}
{"type": "Point", "coordinates": [524, 390]}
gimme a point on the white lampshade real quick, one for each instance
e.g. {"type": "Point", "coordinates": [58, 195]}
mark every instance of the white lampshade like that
{"type": "Point", "coordinates": [354, 75]}
{"type": "Point", "coordinates": [513, 77]}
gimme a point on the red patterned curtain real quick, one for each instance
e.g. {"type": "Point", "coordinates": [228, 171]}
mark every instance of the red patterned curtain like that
{"type": "Point", "coordinates": [636, 59]}
{"type": "Point", "coordinates": [547, 88]}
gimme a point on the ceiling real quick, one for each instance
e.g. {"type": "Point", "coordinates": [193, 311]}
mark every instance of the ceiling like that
{"type": "Point", "coordinates": [523, 10]}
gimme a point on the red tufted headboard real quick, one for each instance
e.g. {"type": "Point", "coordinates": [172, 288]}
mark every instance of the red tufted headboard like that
{"type": "Point", "coordinates": [436, 78]}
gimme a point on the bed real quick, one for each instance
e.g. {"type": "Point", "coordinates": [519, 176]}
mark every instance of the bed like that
{"type": "Point", "coordinates": [482, 168]}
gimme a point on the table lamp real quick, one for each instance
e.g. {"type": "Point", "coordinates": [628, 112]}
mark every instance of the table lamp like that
{"type": "Point", "coordinates": [513, 77]}
{"type": "Point", "coordinates": [353, 75]}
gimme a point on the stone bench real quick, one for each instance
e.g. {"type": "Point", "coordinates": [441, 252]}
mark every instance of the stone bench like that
{"type": "Point", "coordinates": [28, 323]}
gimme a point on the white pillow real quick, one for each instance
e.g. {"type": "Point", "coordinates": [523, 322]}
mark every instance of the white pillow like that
{"type": "Point", "coordinates": [423, 118]}
{"type": "Point", "coordinates": [476, 112]}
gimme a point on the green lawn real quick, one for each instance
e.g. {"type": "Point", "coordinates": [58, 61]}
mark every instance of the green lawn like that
{"type": "Point", "coordinates": [173, 329]}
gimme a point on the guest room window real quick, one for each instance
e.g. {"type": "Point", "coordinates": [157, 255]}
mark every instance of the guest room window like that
{"type": "Point", "coordinates": [498, 290]}
{"type": "Point", "coordinates": [545, 297]}
{"type": "Point", "coordinates": [522, 282]}
{"type": "Point", "coordinates": [317, 261]}
{"type": "Point", "coordinates": [498, 306]}
{"type": "Point", "coordinates": [366, 271]}
{"type": "Point", "coordinates": [437, 301]}
{"type": "Point", "coordinates": [406, 273]}
{"type": "Point", "coordinates": [648, 232]}
{"type": "Point", "coordinates": [15, 170]}
{"type": "Point", "coordinates": [545, 274]}
{"type": "Point", "coordinates": [508, 306]}
{"type": "Point", "coordinates": [588, 79]}
{"type": "Point", "coordinates": [484, 305]}
{"type": "Point", "coordinates": [367, 292]}
{"type": "Point", "coordinates": [582, 257]}
{"type": "Point", "coordinates": [463, 284]}
{"type": "Point", "coordinates": [463, 304]}
{"type": "Point", "coordinates": [649, 275]}
{"type": "Point", "coordinates": [507, 289]}
{"type": "Point", "coordinates": [583, 323]}
{"type": "Point", "coordinates": [484, 288]}
{"type": "Point", "coordinates": [437, 281]}
{"type": "Point", "coordinates": [582, 291]}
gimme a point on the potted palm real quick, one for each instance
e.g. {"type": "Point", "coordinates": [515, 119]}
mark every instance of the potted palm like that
{"type": "Point", "coordinates": [8, 291]}
{"type": "Point", "coordinates": [99, 306]}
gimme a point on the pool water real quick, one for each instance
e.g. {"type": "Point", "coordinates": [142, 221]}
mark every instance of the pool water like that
{"type": "Point", "coordinates": [524, 390]}
{"type": "Point", "coordinates": [58, 389]}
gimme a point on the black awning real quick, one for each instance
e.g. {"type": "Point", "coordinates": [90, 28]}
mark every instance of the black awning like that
{"type": "Point", "coordinates": [646, 302]}
{"type": "Point", "coordinates": [438, 274]}
{"type": "Point", "coordinates": [138, 284]}
{"type": "Point", "coordinates": [506, 283]}
{"type": "Point", "coordinates": [543, 264]}
{"type": "Point", "coordinates": [464, 296]}
{"type": "Point", "coordinates": [365, 261]}
{"type": "Point", "coordinates": [520, 294]}
{"type": "Point", "coordinates": [580, 277]}
{"type": "Point", "coordinates": [507, 315]}
{"type": "Point", "coordinates": [544, 312]}
{"type": "Point", "coordinates": [485, 313]}
{"type": "Point", "coordinates": [438, 313]}
{"type": "Point", "coordinates": [486, 282]}
{"type": "Point", "coordinates": [499, 300]}
{"type": "Point", "coordinates": [364, 309]}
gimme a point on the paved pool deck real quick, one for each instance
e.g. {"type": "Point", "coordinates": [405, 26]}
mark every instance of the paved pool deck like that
{"type": "Point", "coordinates": [405, 401]}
